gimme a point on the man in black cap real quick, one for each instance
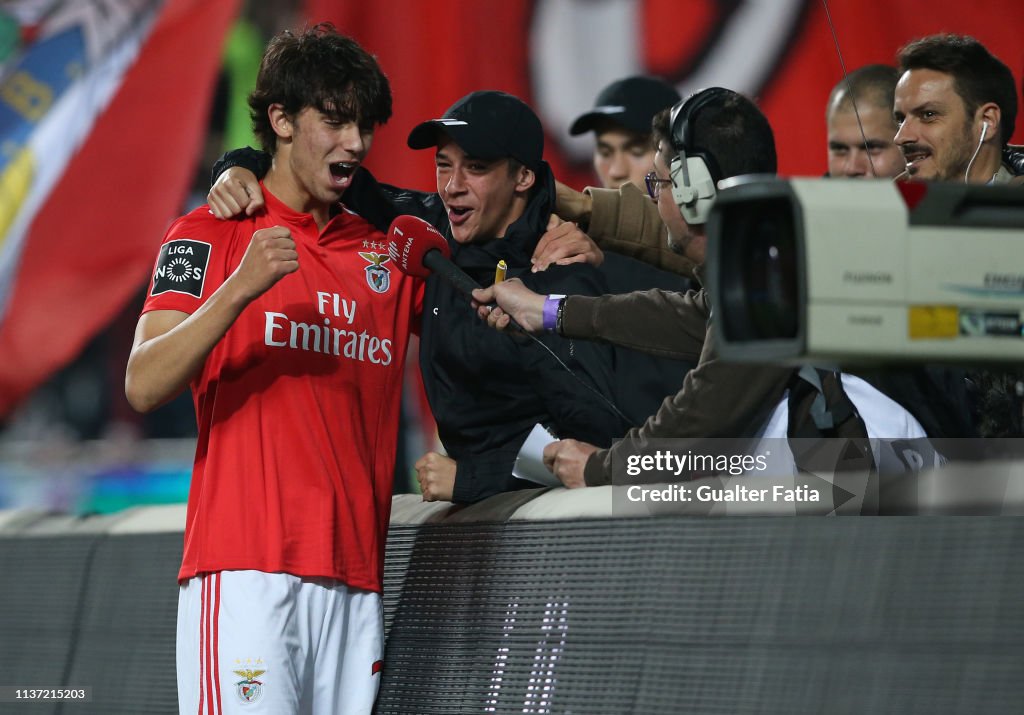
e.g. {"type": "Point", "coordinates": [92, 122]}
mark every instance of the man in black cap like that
{"type": "Point", "coordinates": [488, 390]}
{"type": "Point", "coordinates": [623, 154]}
{"type": "Point", "coordinates": [479, 132]}
{"type": "Point", "coordinates": [621, 122]}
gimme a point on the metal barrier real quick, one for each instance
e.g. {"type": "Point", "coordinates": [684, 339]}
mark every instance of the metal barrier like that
{"type": "Point", "coordinates": [546, 602]}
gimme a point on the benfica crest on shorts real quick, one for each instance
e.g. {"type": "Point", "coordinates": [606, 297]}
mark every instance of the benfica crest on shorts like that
{"type": "Point", "coordinates": [377, 276]}
{"type": "Point", "coordinates": [249, 689]}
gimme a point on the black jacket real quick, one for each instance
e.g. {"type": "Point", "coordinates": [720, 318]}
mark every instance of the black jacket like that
{"type": "Point", "coordinates": [487, 390]}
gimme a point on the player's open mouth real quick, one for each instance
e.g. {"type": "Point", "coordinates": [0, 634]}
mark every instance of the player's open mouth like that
{"type": "Point", "coordinates": [342, 170]}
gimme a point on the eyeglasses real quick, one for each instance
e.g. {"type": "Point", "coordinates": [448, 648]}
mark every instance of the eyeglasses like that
{"type": "Point", "coordinates": [654, 184]}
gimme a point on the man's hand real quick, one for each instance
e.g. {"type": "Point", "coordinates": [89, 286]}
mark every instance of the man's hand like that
{"type": "Point", "coordinates": [513, 299]}
{"type": "Point", "coordinates": [563, 244]}
{"type": "Point", "coordinates": [436, 475]}
{"type": "Point", "coordinates": [235, 191]}
{"type": "Point", "coordinates": [271, 256]}
{"type": "Point", "coordinates": [573, 205]}
{"type": "Point", "coordinates": [566, 460]}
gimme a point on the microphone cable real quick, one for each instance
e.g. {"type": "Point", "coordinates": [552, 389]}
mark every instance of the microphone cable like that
{"type": "Point", "coordinates": [607, 402]}
{"type": "Point", "coordinates": [444, 269]}
{"type": "Point", "coordinates": [849, 89]}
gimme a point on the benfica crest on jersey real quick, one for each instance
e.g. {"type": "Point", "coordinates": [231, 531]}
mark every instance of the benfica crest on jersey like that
{"type": "Point", "coordinates": [378, 276]}
{"type": "Point", "coordinates": [249, 689]}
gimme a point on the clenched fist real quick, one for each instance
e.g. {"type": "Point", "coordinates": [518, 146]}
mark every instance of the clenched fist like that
{"type": "Point", "coordinates": [436, 475]}
{"type": "Point", "coordinates": [271, 256]}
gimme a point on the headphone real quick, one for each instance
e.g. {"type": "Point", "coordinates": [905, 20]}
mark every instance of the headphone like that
{"type": "Point", "coordinates": [700, 173]}
{"type": "Point", "coordinates": [981, 140]}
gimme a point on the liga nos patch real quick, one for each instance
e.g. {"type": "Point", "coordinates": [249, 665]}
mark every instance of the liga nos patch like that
{"type": "Point", "coordinates": [181, 267]}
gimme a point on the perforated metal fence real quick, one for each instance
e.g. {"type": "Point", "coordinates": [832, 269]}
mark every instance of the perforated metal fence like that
{"type": "Point", "coordinates": [862, 615]}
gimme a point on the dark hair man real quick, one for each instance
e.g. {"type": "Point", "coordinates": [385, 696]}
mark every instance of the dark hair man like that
{"type": "Point", "coordinates": [486, 390]}
{"type": "Point", "coordinates": [956, 105]}
{"type": "Point", "coordinates": [291, 331]}
{"type": "Point", "coordinates": [621, 122]}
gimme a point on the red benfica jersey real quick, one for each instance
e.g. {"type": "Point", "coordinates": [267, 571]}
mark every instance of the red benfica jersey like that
{"type": "Point", "coordinates": [298, 404]}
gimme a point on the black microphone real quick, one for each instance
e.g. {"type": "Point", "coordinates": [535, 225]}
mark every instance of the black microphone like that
{"type": "Point", "coordinates": [419, 249]}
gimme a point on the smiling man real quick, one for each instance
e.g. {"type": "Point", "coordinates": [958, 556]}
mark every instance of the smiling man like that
{"type": "Point", "coordinates": [956, 105]}
{"type": "Point", "coordinates": [483, 196]}
{"type": "Point", "coordinates": [488, 390]}
{"type": "Point", "coordinates": [291, 331]}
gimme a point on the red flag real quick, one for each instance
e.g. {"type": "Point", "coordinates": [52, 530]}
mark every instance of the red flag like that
{"type": "Point", "coordinates": [92, 241]}
{"type": "Point", "coordinates": [557, 54]}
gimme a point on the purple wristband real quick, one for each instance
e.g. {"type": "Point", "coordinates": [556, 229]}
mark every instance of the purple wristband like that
{"type": "Point", "coordinates": [551, 312]}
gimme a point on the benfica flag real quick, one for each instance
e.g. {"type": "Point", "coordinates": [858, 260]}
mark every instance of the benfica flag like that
{"type": "Point", "coordinates": [102, 105]}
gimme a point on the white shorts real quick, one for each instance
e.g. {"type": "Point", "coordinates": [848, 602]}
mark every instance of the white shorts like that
{"type": "Point", "coordinates": [254, 642]}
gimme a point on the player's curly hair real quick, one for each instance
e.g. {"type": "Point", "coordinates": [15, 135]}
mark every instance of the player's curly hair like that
{"type": "Point", "coordinates": [323, 69]}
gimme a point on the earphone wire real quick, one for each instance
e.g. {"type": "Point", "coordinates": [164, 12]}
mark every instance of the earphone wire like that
{"type": "Point", "coordinates": [849, 88]}
{"type": "Point", "coordinates": [974, 156]}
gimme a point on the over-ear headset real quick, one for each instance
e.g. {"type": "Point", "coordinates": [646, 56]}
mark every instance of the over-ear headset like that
{"type": "Point", "coordinates": [694, 190]}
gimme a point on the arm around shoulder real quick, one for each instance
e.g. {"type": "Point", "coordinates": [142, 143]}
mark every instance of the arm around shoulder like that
{"type": "Point", "coordinates": [626, 221]}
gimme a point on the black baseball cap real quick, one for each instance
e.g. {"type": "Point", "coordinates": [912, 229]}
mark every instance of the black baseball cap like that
{"type": "Point", "coordinates": [488, 125]}
{"type": "Point", "coordinates": [631, 102]}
